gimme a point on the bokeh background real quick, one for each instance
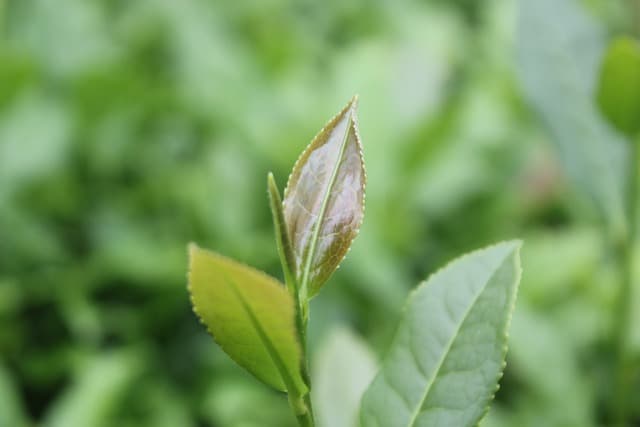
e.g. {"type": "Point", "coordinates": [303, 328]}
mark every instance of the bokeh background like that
{"type": "Point", "coordinates": [130, 128]}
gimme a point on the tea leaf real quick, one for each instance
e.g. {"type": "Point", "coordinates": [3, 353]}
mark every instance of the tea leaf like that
{"type": "Point", "coordinates": [250, 315]}
{"type": "Point", "coordinates": [343, 369]}
{"type": "Point", "coordinates": [324, 200]}
{"type": "Point", "coordinates": [559, 48]}
{"type": "Point", "coordinates": [448, 354]}
{"type": "Point", "coordinates": [619, 85]}
{"type": "Point", "coordinates": [283, 242]}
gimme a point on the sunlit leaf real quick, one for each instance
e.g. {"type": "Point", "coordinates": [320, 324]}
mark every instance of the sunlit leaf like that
{"type": "Point", "coordinates": [324, 199]}
{"type": "Point", "coordinates": [619, 85]}
{"type": "Point", "coordinates": [448, 354]}
{"type": "Point", "coordinates": [559, 48]}
{"type": "Point", "coordinates": [250, 315]}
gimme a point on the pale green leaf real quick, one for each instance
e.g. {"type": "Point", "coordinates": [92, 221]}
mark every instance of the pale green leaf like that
{"type": "Point", "coordinates": [343, 369]}
{"type": "Point", "coordinates": [250, 315]}
{"type": "Point", "coordinates": [619, 85]}
{"type": "Point", "coordinates": [324, 200]}
{"type": "Point", "coordinates": [559, 49]}
{"type": "Point", "coordinates": [448, 354]}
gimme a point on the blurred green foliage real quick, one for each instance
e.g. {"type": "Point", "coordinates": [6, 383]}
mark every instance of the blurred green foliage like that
{"type": "Point", "coordinates": [619, 85]}
{"type": "Point", "coordinates": [129, 128]}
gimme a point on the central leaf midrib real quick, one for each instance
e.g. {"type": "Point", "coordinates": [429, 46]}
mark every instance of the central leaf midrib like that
{"type": "Point", "coordinates": [323, 207]}
{"type": "Point", "coordinates": [266, 341]}
{"type": "Point", "coordinates": [432, 380]}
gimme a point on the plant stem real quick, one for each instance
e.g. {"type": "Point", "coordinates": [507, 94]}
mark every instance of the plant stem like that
{"type": "Point", "coordinates": [300, 405]}
{"type": "Point", "coordinates": [301, 313]}
{"type": "Point", "coordinates": [301, 323]}
{"type": "Point", "coordinates": [301, 410]}
{"type": "Point", "coordinates": [305, 420]}
{"type": "Point", "coordinates": [626, 252]}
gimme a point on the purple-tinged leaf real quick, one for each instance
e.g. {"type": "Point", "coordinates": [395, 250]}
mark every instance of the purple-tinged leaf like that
{"type": "Point", "coordinates": [324, 200]}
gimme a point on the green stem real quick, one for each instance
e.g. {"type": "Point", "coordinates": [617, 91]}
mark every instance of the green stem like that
{"type": "Point", "coordinates": [625, 251]}
{"type": "Point", "coordinates": [301, 326]}
{"type": "Point", "coordinates": [301, 406]}
{"type": "Point", "coordinates": [305, 420]}
{"type": "Point", "coordinates": [301, 410]}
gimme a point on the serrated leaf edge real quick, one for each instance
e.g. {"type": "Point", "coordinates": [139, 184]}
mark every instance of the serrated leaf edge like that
{"type": "Point", "coordinates": [352, 104]}
{"type": "Point", "coordinates": [287, 388]}
{"type": "Point", "coordinates": [517, 246]}
{"type": "Point", "coordinates": [505, 331]}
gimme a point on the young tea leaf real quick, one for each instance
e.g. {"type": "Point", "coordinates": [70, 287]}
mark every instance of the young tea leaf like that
{"type": "Point", "coordinates": [324, 200]}
{"type": "Point", "coordinates": [619, 85]}
{"type": "Point", "coordinates": [283, 242]}
{"type": "Point", "coordinates": [448, 354]}
{"type": "Point", "coordinates": [250, 315]}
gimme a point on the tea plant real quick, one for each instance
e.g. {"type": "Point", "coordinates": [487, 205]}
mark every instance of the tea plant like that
{"type": "Point", "coordinates": [448, 353]}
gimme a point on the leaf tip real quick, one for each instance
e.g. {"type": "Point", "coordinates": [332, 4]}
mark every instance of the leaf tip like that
{"type": "Point", "coordinates": [271, 182]}
{"type": "Point", "coordinates": [515, 244]}
{"type": "Point", "coordinates": [354, 101]}
{"type": "Point", "coordinates": [352, 110]}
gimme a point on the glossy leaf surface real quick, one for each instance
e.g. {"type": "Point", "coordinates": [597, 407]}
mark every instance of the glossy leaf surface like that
{"type": "Point", "coordinates": [250, 315]}
{"type": "Point", "coordinates": [559, 49]}
{"type": "Point", "coordinates": [619, 85]}
{"type": "Point", "coordinates": [448, 353]}
{"type": "Point", "coordinates": [324, 199]}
